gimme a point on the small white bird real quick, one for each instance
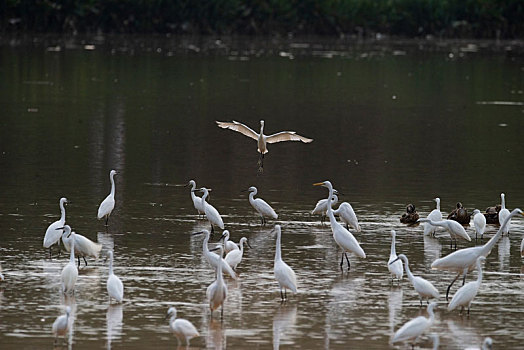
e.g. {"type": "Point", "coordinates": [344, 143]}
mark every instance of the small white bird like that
{"type": "Point", "coordinates": [284, 274]}
{"type": "Point", "coordinates": [234, 257]}
{"type": "Point", "coordinates": [61, 324]}
{"type": "Point", "coordinates": [479, 221]}
{"type": "Point", "coordinates": [455, 229]}
{"type": "Point", "coordinates": [108, 204]}
{"type": "Point", "coordinates": [182, 328]}
{"type": "Point", "coordinates": [263, 140]}
{"type": "Point", "coordinates": [263, 209]}
{"type": "Point", "coordinates": [347, 214]}
{"type": "Point", "coordinates": [435, 215]}
{"type": "Point", "coordinates": [395, 268]}
{"type": "Point", "coordinates": [52, 235]}
{"type": "Point", "coordinates": [321, 207]}
{"type": "Point", "coordinates": [228, 244]}
{"type": "Point", "coordinates": [217, 291]}
{"type": "Point", "coordinates": [213, 259]}
{"type": "Point", "coordinates": [115, 287]}
{"type": "Point", "coordinates": [424, 288]}
{"type": "Point", "coordinates": [503, 214]}
{"type": "Point", "coordinates": [414, 328]}
{"type": "Point", "coordinates": [211, 213]}
{"type": "Point", "coordinates": [83, 245]}
{"type": "Point", "coordinates": [197, 201]}
{"type": "Point", "coordinates": [69, 272]}
{"type": "Point", "coordinates": [464, 296]}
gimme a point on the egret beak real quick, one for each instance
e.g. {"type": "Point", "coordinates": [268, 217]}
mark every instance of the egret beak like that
{"type": "Point", "coordinates": [213, 249]}
{"type": "Point", "coordinates": [60, 228]}
{"type": "Point", "coordinates": [167, 316]}
{"type": "Point", "coordinates": [249, 245]}
{"type": "Point", "coordinates": [393, 261]}
{"type": "Point", "coordinates": [318, 184]}
{"type": "Point", "coordinates": [222, 237]}
{"type": "Point", "coordinates": [197, 233]}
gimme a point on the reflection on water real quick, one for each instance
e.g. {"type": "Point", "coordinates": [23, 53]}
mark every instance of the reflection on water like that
{"type": "Point", "coordinates": [114, 316]}
{"type": "Point", "coordinates": [283, 319]}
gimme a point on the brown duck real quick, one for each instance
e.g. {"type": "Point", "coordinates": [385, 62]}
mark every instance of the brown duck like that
{"type": "Point", "coordinates": [492, 214]}
{"type": "Point", "coordinates": [460, 214]}
{"type": "Point", "coordinates": [410, 216]}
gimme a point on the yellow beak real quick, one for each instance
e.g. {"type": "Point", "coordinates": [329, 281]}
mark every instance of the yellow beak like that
{"type": "Point", "coordinates": [318, 184]}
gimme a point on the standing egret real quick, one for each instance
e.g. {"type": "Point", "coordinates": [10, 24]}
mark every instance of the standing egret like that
{"type": "Point", "coordinates": [263, 209]}
{"type": "Point", "coordinates": [347, 214]}
{"type": "Point", "coordinates": [52, 235]}
{"type": "Point", "coordinates": [321, 207]}
{"type": "Point", "coordinates": [414, 328]}
{"type": "Point", "coordinates": [61, 324]}
{"type": "Point", "coordinates": [83, 245]}
{"type": "Point", "coordinates": [464, 296]}
{"type": "Point", "coordinates": [463, 261]}
{"type": "Point", "coordinates": [423, 287]}
{"type": "Point", "coordinates": [217, 291]}
{"type": "Point", "coordinates": [435, 215]}
{"type": "Point", "coordinates": [455, 229]}
{"type": "Point", "coordinates": [228, 245]}
{"type": "Point", "coordinates": [479, 221]}
{"type": "Point", "coordinates": [115, 287]}
{"type": "Point", "coordinates": [69, 272]}
{"type": "Point", "coordinates": [182, 328]}
{"type": "Point", "coordinates": [284, 274]}
{"type": "Point", "coordinates": [213, 259]}
{"type": "Point", "coordinates": [212, 214]}
{"type": "Point", "coordinates": [395, 268]}
{"type": "Point", "coordinates": [503, 214]}
{"type": "Point", "coordinates": [197, 201]}
{"type": "Point", "coordinates": [234, 257]}
{"type": "Point", "coordinates": [342, 236]}
{"type": "Point", "coordinates": [108, 204]}
{"type": "Point", "coordinates": [263, 140]}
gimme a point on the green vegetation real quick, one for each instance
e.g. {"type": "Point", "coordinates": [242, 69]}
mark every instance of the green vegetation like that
{"type": "Point", "coordinates": [412, 18]}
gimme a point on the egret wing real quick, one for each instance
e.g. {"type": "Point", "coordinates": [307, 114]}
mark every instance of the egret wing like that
{"type": "Point", "coordinates": [241, 128]}
{"type": "Point", "coordinates": [286, 136]}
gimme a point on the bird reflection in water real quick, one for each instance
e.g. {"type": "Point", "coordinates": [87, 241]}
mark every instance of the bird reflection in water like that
{"type": "Point", "coordinates": [284, 319]}
{"type": "Point", "coordinates": [114, 317]}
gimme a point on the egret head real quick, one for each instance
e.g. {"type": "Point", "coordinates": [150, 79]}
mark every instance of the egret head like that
{"type": "Point", "coordinates": [393, 233]}
{"type": "Point", "coordinates": [171, 312]}
{"type": "Point", "coordinates": [68, 311]}
{"type": "Point", "coordinates": [225, 235]}
{"type": "Point", "coordinates": [244, 240]}
{"type": "Point", "coordinates": [191, 183]}
{"type": "Point", "coordinates": [252, 189]}
{"type": "Point", "coordinates": [487, 343]}
{"type": "Point", "coordinates": [262, 123]}
{"type": "Point", "coordinates": [326, 184]}
{"type": "Point", "coordinates": [475, 212]}
{"type": "Point", "coordinates": [66, 229]}
{"type": "Point", "coordinates": [112, 173]}
{"type": "Point", "coordinates": [436, 199]}
{"type": "Point", "coordinates": [63, 200]}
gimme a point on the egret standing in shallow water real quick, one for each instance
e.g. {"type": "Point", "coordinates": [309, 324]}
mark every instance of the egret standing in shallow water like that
{"type": "Point", "coordinates": [435, 215]}
{"type": "Point", "coordinates": [197, 201]}
{"type": "Point", "coordinates": [284, 274]}
{"type": "Point", "coordinates": [83, 245]}
{"type": "Point", "coordinates": [414, 328]}
{"type": "Point", "coordinates": [263, 140]}
{"type": "Point", "coordinates": [115, 287]}
{"type": "Point", "coordinates": [263, 209]}
{"type": "Point", "coordinates": [394, 265]}
{"type": "Point", "coordinates": [69, 272]}
{"type": "Point", "coordinates": [213, 259]}
{"type": "Point", "coordinates": [479, 221]}
{"type": "Point", "coordinates": [228, 244]}
{"type": "Point", "coordinates": [108, 204]}
{"type": "Point", "coordinates": [217, 291]}
{"type": "Point", "coordinates": [61, 324]}
{"type": "Point", "coordinates": [234, 257]}
{"type": "Point", "coordinates": [348, 216]}
{"type": "Point", "coordinates": [52, 235]}
{"type": "Point", "coordinates": [503, 214]}
{"type": "Point", "coordinates": [455, 229]}
{"type": "Point", "coordinates": [321, 207]}
{"type": "Point", "coordinates": [212, 214]}
{"type": "Point", "coordinates": [182, 328]}
{"type": "Point", "coordinates": [464, 296]}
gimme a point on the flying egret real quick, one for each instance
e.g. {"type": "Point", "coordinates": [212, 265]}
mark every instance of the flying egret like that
{"type": "Point", "coordinates": [182, 328]}
{"type": "Point", "coordinates": [263, 209]}
{"type": "Point", "coordinates": [395, 268]}
{"type": "Point", "coordinates": [346, 213]}
{"type": "Point", "coordinates": [463, 261]}
{"type": "Point", "coordinates": [115, 287]}
{"type": "Point", "coordinates": [464, 296]}
{"type": "Point", "coordinates": [455, 229]}
{"type": "Point", "coordinates": [263, 140]}
{"type": "Point", "coordinates": [69, 272]}
{"type": "Point", "coordinates": [212, 214]}
{"type": "Point", "coordinates": [423, 287]}
{"type": "Point", "coordinates": [52, 235]}
{"type": "Point", "coordinates": [284, 274]}
{"type": "Point", "coordinates": [83, 245]}
{"type": "Point", "coordinates": [212, 258]}
{"type": "Point", "coordinates": [197, 201]}
{"type": "Point", "coordinates": [321, 207]}
{"type": "Point", "coordinates": [342, 236]}
{"type": "Point", "coordinates": [435, 215]}
{"type": "Point", "coordinates": [414, 328]}
{"type": "Point", "coordinates": [61, 324]}
{"type": "Point", "coordinates": [410, 216]}
{"type": "Point", "coordinates": [479, 221]}
{"type": "Point", "coordinates": [503, 214]}
{"type": "Point", "coordinates": [234, 257]}
{"type": "Point", "coordinates": [108, 204]}
{"type": "Point", "coordinates": [228, 244]}
{"type": "Point", "coordinates": [217, 291]}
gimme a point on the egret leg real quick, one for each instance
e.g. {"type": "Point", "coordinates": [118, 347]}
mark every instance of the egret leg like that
{"type": "Point", "coordinates": [285, 293]}
{"type": "Point", "coordinates": [212, 229]}
{"type": "Point", "coordinates": [85, 261]}
{"type": "Point", "coordinates": [464, 279]}
{"type": "Point", "coordinates": [347, 227]}
{"type": "Point", "coordinates": [349, 265]}
{"type": "Point", "coordinates": [107, 220]}
{"type": "Point", "coordinates": [449, 287]}
{"type": "Point", "coordinates": [341, 261]}
{"type": "Point", "coordinates": [420, 302]}
{"type": "Point", "coordinates": [281, 294]}
{"type": "Point", "coordinates": [222, 312]}
{"type": "Point", "coordinates": [50, 256]}
{"type": "Point", "coordinates": [78, 257]}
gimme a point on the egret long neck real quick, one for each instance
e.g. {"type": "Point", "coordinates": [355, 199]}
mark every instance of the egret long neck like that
{"type": "Point", "coordinates": [393, 250]}
{"type": "Point", "coordinates": [503, 201]}
{"type": "Point", "coordinates": [479, 268]}
{"type": "Point", "coordinates": [330, 214]}
{"type": "Point", "coordinates": [62, 211]}
{"type": "Point", "coordinates": [204, 196]}
{"type": "Point", "coordinates": [491, 243]}
{"type": "Point", "coordinates": [72, 256]}
{"type": "Point", "coordinates": [205, 248]}
{"type": "Point", "coordinates": [112, 178]}
{"type": "Point", "coordinates": [252, 197]}
{"type": "Point", "coordinates": [431, 315]}
{"type": "Point", "coordinates": [408, 271]}
{"type": "Point", "coordinates": [277, 250]}
{"type": "Point", "coordinates": [438, 204]}
{"type": "Point", "coordinates": [111, 263]}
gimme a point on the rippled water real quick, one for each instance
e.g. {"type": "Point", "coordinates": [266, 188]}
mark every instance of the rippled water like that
{"type": "Point", "coordinates": [398, 127]}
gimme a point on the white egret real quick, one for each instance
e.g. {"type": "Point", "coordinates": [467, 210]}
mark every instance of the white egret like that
{"type": "Point", "coordinates": [414, 328]}
{"type": "Point", "coordinates": [61, 324]}
{"type": "Point", "coordinates": [522, 247]}
{"type": "Point", "coordinates": [321, 207]}
{"type": "Point", "coordinates": [479, 221]}
{"type": "Point", "coordinates": [284, 274]}
{"type": "Point", "coordinates": [182, 328]}
{"type": "Point", "coordinates": [503, 214]}
{"type": "Point", "coordinates": [217, 291]}
{"type": "Point", "coordinates": [463, 261]}
{"type": "Point", "coordinates": [212, 214]}
{"type": "Point", "coordinates": [464, 296]}
{"type": "Point", "coordinates": [197, 201]}
{"type": "Point", "coordinates": [395, 268]}
{"type": "Point", "coordinates": [435, 215]}
{"type": "Point", "coordinates": [487, 344]}
{"type": "Point", "coordinates": [52, 235]}
{"type": "Point", "coordinates": [228, 244]}
{"type": "Point", "coordinates": [2, 278]}
{"type": "Point", "coordinates": [342, 236]}
{"type": "Point", "coordinates": [348, 216]}
{"type": "Point", "coordinates": [69, 272]}
{"type": "Point", "coordinates": [423, 287]}
{"type": "Point", "coordinates": [263, 209]}
{"type": "Point", "coordinates": [83, 245]}
{"type": "Point", "coordinates": [213, 259]}
{"type": "Point", "coordinates": [108, 204]}
{"type": "Point", "coordinates": [234, 257]}
{"type": "Point", "coordinates": [263, 140]}
{"type": "Point", "coordinates": [115, 287]}
{"type": "Point", "coordinates": [455, 229]}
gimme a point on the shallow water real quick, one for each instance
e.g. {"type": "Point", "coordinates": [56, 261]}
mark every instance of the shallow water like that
{"type": "Point", "coordinates": [392, 123]}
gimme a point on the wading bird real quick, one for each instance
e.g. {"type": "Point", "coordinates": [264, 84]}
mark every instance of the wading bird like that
{"type": "Point", "coordinates": [217, 291]}
{"type": "Point", "coordinates": [479, 221]}
{"type": "Point", "coordinates": [83, 245]}
{"type": "Point", "coordinates": [213, 259]}
{"type": "Point", "coordinates": [228, 244]}
{"type": "Point", "coordinates": [61, 324]}
{"type": "Point", "coordinates": [394, 265]}
{"type": "Point", "coordinates": [263, 209]}
{"type": "Point", "coordinates": [234, 257]}
{"type": "Point", "coordinates": [108, 204]}
{"type": "Point", "coordinates": [284, 274]}
{"type": "Point", "coordinates": [52, 235]}
{"type": "Point", "coordinates": [455, 229]}
{"type": "Point", "coordinates": [503, 214]}
{"type": "Point", "coordinates": [464, 296]}
{"type": "Point", "coordinates": [182, 328]}
{"type": "Point", "coordinates": [321, 207]}
{"type": "Point", "coordinates": [414, 328]}
{"type": "Point", "coordinates": [115, 287]}
{"type": "Point", "coordinates": [197, 201]}
{"type": "Point", "coordinates": [263, 140]}
{"type": "Point", "coordinates": [69, 272]}
{"type": "Point", "coordinates": [348, 216]}
{"type": "Point", "coordinates": [211, 213]}
{"type": "Point", "coordinates": [435, 215]}
{"type": "Point", "coordinates": [342, 236]}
